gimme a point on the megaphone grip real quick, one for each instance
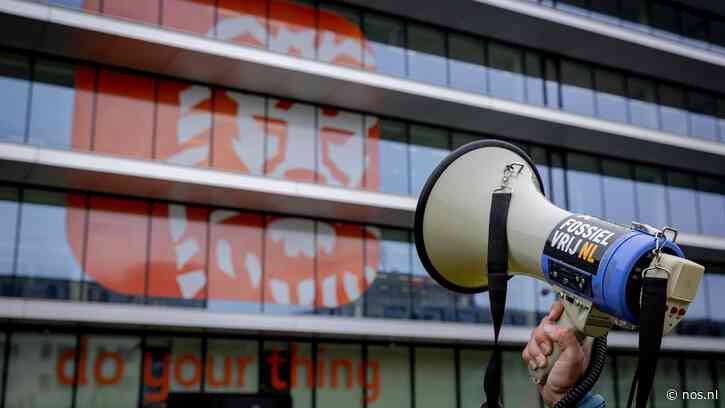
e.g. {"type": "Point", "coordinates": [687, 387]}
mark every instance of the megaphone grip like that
{"type": "Point", "coordinates": [540, 374]}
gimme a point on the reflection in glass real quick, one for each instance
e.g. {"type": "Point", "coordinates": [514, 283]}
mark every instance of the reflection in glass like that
{"type": "Point", "coordinates": [15, 83]}
{"type": "Point", "coordinates": [697, 318]}
{"type": "Point", "coordinates": [673, 111]}
{"type": "Point", "coordinates": [340, 267]}
{"type": "Point", "coordinates": [460, 139]}
{"type": "Point", "coordinates": [114, 276]}
{"type": "Point", "coordinates": [240, 126]}
{"type": "Point", "coordinates": [289, 266]}
{"type": "Point", "coordinates": [40, 362]}
{"type": "Point", "coordinates": [534, 79]}
{"type": "Point", "coordinates": [721, 118]}
{"type": "Point", "coordinates": [506, 72]}
{"type": "Point", "coordinates": [618, 188]}
{"type": "Point", "coordinates": [339, 379]}
{"type": "Point", "coordinates": [541, 160]}
{"type": "Point", "coordinates": [235, 261]}
{"type": "Point", "coordinates": [682, 202]}
{"type": "Point", "coordinates": [171, 364]}
{"type": "Point", "coordinates": [196, 16]}
{"type": "Point", "coordinates": [576, 88]}
{"type": "Point", "coordinates": [61, 105]}
{"type": "Point", "coordinates": [111, 367]}
{"type": "Point", "coordinates": [711, 200]}
{"type": "Point", "coordinates": [431, 301]}
{"type": "Point", "coordinates": [340, 148]}
{"type": "Point", "coordinates": [434, 378]}
{"type": "Point", "coordinates": [292, 27]}
{"type": "Point", "coordinates": [715, 284]}
{"type": "Point", "coordinates": [428, 146]}
{"type": "Point", "coordinates": [9, 219]}
{"type": "Point", "coordinates": [289, 368]}
{"type": "Point", "coordinates": [291, 140]}
{"type": "Point", "coordinates": [392, 145]}
{"type": "Point", "coordinates": [651, 200]}
{"type": "Point", "coordinates": [558, 180]}
{"type": "Point", "coordinates": [702, 115]}
{"type": "Point", "coordinates": [177, 274]}
{"type": "Point", "coordinates": [388, 377]}
{"type": "Point", "coordinates": [642, 102]}
{"type": "Point", "coordinates": [386, 38]}
{"type": "Point", "coordinates": [426, 54]}
{"type": "Point", "coordinates": [231, 366]}
{"type": "Point", "coordinates": [340, 36]}
{"type": "Point", "coordinates": [466, 63]}
{"type": "Point", "coordinates": [50, 253]}
{"type": "Point", "coordinates": [146, 11]}
{"type": "Point", "coordinates": [242, 22]}
{"type": "Point", "coordinates": [584, 184]}
{"type": "Point", "coordinates": [124, 114]}
{"type": "Point", "coordinates": [552, 83]}
{"type": "Point", "coordinates": [611, 97]}
{"type": "Point", "coordinates": [389, 295]}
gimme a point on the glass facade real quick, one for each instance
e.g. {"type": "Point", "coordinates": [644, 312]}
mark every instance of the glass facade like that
{"type": "Point", "coordinates": [224, 260]}
{"type": "Point", "coordinates": [141, 116]}
{"type": "Point", "coordinates": [359, 39]}
{"type": "Point", "coordinates": [129, 370]}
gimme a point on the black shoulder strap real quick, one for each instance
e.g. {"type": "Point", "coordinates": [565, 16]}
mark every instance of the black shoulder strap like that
{"type": "Point", "coordinates": [651, 326]}
{"type": "Point", "coordinates": [497, 266]}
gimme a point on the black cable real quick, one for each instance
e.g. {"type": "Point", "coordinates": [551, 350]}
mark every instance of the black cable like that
{"type": "Point", "coordinates": [596, 364]}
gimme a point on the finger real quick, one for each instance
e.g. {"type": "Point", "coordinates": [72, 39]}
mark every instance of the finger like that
{"type": "Point", "coordinates": [555, 312]}
{"type": "Point", "coordinates": [537, 354]}
{"type": "Point", "coordinates": [542, 339]}
{"type": "Point", "coordinates": [530, 361]}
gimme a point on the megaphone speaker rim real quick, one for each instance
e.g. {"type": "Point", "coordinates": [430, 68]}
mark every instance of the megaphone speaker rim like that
{"type": "Point", "coordinates": [425, 194]}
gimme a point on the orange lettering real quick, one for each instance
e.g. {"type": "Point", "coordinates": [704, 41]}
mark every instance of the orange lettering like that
{"type": "Point", "coordinates": [297, 360]}
{"type": "Point", "coordinates": [372, 367]}
{"type": "Point", "coordinates": [226, 380]}
{"type": "Point", "coordinates": [243, 361]}
{"type": "Point", "coordinates": [179, 370]}
{"type": "Point", "coordinates": [98, 368]}
{"type": "Point", "coordinates": [161, 383]}
{"type": "Point", "coordinates": [348, 369]}
{"type": "Point", "coordinates": [275, 361]}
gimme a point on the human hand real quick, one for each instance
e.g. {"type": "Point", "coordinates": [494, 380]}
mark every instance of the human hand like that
{"type": "Point", "coordinates": [572, 362]}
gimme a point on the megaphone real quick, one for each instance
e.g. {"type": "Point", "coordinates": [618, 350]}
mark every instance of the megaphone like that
{"type": "Point", "coordinates": [597, 267]}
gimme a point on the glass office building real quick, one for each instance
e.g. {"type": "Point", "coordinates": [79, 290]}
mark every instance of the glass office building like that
{"type": "Point", "coordinates": [215, 197]}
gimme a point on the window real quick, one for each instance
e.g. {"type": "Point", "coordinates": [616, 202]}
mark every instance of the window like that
{"type": "Point", "coordinates": [339, 383]}
{"type": "Point", "coordinates": [711, 200]}
{"type": "Point", "coordinates": [235, 261]}
{"type": "Point", "coordinates": [576, 88]}
{"type": "Point", "coordinates": [171, 364]}
{"type": "Point", "coordinates": [552, 83]}
{"type": "Point", "coordinates": [717, 34]}
{"type": "Point", "coordinates": [698, 319]}
{"type": "Point", "coordinates": [340, 267]}
{"type": "Point", "coordinates": [634, 14]}
{"type": "Point", "coordinates": [426, 54]}
{"type": "Point", "coordinates": [9, 218]}
{"type": "Point", "coordinates": [618, 188]}
{"type": "Point", "coordinates": [289, 368]}
{"type": "Point", "coordinates": [389, 295]}
{"type": "Point", "coordinates": [558, 180]}
{"type": "Point", "coordinates": [516, 384]}
{"type": "Point", "coordinates": [125, 114]}
{"type": "Point", "coordinates": [15, 83]}
{"type": "Point", "coordinates": [642, 103]}
{"type": "Point", "coordinates": [428, 146]}
{"type": "Point", "coordinates": [673, 111]}
{"type": "Point", "coordinates": [715, 284]}
{"type": "Point", "coordinates": [574, 6]}
{"type": "Point", "coordinates": [388, 377]}
{"type": "Point", "coordinates": [472, 369]}
{"type": "Point", "coordinates": [196, 16]}
{"type": "Point", "coordinates": [651, 200]}
{"type": "Point", "coordinates": [703, 123]}
{"type": "Point", "coordinates": [77, 4]}
{"type": "Point", "coordinates": [146, 11]}
{"type": "Point", "coordinates": [506, 72]}
{"type": "Point", "coordinates": [61, 105]}
{"type": "Point", "coordinates": [584, 184]}
{"type": "Point", "coordinates": [340, 148]}
{"type": "Point", "coordinates": [682, 202]}
{"type": "Point", "coordinates": [431, 301]}
{"type": "Point", "coordinates": [460, 139]}
{"type": "Point", "coordinates": [534, 79]}
{"type": "Point", "coordinates": [242, 22]}
{"type": "Point", "coordinates": [114, 276]}
{"type": "Point", "coordinates": [41, 368]}
{"type": "Point", "coordinates": [339, 35]}
{"type": "Point", "coordinates": [387, 156]}
{"type": "Point", "coordinates": [240, 129]}
{"type": "Point", "coordinates": [664, 20]}
{"type": "Point", "coordinates": [721, 118]}
{"type": "Point", "coordinates": [177, 273]}
{"type": "Point", "coordinates": [110, 366]}
{"type": "Point", "coordinates": [466, 63]}
{"type": "Point", "coordinates": [521, 302]}
{"type": "Point", "coordinates": [386, 37]}
{"type": "Point", "coordinates": [183, 123]}
{"type": "Point", "coordinates": [231, 366]}
{"type": "Point", "coordinates": [292, 27]}
{"type": "Point", "coordinates": [610, 96]}
{"type": "Point", "coordinates": [541, 160]}
{"type": "Point", "coordinates": [291, 138]}
{"type": "Point", "coordinates": [434, 378]}
{"type": "Point", "coordinates": [605, 10]}
{"type": "Point", "coordinates": [50, 253]}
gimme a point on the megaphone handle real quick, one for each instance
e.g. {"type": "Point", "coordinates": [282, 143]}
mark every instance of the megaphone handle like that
{"type": "Point", "coordinates": [539, 375]}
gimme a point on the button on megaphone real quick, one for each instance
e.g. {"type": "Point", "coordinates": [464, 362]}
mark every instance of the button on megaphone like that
{"type": "Point", "coordinates": [597, 267]}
